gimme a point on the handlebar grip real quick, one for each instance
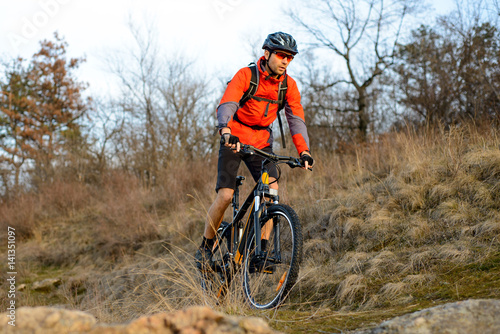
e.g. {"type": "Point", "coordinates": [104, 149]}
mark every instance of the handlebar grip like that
{"type": "Point", "coordinates": [298, 163]}
{"type": "Point", "coordinates": [292, 162]}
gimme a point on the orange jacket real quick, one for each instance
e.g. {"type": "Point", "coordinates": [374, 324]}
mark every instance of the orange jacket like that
{"type": "Point", "coordinates": [253, 113]}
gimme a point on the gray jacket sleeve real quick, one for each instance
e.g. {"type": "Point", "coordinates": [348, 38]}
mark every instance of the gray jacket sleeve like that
{"type": "Point", "coordinates": [225, 112]}
{"type": "Point", "coordinates": [296, 124]}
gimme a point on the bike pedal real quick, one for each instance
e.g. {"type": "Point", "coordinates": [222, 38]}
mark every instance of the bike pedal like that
{"type": "Point", "coordinates": [261, 267]}
{"type": "Point", "coordinates": [268, 270]}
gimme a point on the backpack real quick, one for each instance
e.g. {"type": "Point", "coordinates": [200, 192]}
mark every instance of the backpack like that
{"type": "Point", "coordinates": [250, 94]}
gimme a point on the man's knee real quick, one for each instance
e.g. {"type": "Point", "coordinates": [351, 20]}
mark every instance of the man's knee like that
{"type": "Point", "coordinates": [225, 195]}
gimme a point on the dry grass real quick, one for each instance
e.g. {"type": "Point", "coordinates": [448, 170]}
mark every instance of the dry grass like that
{"type": "Point", "coordinates": [406, 206]}
{"type": "Point", "coordinates": [383, 222]}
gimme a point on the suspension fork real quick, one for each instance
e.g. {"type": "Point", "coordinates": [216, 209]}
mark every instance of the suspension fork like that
{"type": "Point", "coordinates": [264, 190]}
{"type": "Point", "coordinates": [256, 223]}
{"type": "Point", "coordinates": [260, 191]}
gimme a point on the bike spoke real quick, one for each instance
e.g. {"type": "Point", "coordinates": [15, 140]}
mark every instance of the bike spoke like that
{"type": "Point", "coordinates": [268, 280]}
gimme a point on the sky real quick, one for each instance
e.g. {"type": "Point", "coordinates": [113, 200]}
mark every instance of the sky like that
{"type": "Point", "coordinates": [207, 30]}
{"type": "Point", "coordinates": [214, 32]}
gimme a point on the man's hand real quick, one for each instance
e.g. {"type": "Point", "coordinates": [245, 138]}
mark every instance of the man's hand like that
{"type": "Point", "coordinates": [228, 140]}
{"type": "Point", "coordinates": [307, 160]}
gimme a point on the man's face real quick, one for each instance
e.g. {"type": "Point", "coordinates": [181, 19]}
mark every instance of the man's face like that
{"type": "Point", "coordinates": [277, 62]}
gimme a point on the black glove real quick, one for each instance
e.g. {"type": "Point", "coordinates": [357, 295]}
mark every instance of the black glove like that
{"type": "Point", "coordinates": [228, 138]}
{"type": "Point", "coordinates": [308, 158]}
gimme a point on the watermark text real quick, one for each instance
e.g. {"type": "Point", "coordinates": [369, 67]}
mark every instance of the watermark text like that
{"type": "Point", "coordinates": [222, 7]}
{"type": "Point", "coordinates": [32, 24]}
{"type": "Point", "coordinates": [11, 274]}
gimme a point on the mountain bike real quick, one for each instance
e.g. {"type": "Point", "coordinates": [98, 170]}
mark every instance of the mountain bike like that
{"type": "Point", "coordinates": [267, 274]}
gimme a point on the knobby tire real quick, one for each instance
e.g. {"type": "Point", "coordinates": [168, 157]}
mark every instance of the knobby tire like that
{"type": "Point", "coordinates": [267, 282]}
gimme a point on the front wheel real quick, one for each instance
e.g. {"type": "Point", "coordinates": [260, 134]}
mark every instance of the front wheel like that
{"type": "Point", "coordinates": [268, 278]}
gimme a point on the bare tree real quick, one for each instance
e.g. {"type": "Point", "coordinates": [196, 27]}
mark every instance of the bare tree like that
{"type": "Point", "coordinates": [254, 44]}
{"type": "Point", "coordinates": [363, 33]}
{"type": "Point", "coordinates": [468, 14]}
{"type": "Point", "coordinates": [138, 68]}
{"type": "Point", "coordinates": [107, 122]}
{"type": "Point", "coordinates": [427, 76]}
{"type": "Point", "coordinates": [449, 75]}
{"type": "Point", "coordinates": [185, 112]}
{"type": "Point", "coordinates": [330, 118]}
{"type": "Point", "coordinates": [164, 106]}
{"type": "Point", "coordinates": [470, 20]}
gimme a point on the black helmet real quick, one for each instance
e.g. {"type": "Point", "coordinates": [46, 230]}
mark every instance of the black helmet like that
{"type": "Point", "coordinates": [280, 41]}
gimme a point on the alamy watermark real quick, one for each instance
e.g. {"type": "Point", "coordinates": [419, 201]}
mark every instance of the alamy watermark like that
{"type": "Point", "coordinates": [11, 274]}
{"type": "Point", "coordinates": [32, 24]}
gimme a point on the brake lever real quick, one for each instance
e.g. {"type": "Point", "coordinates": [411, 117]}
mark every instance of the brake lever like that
{"type": "Point", "coordinates": [246, 149]}
{"type": "Point", "coordinates": [297, 163]}
{"type": "Point", "coordinates": [309, 168]}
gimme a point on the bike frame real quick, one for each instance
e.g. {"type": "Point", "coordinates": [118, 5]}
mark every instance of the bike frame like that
{"type": "Point", "coordinates": [240, 231]}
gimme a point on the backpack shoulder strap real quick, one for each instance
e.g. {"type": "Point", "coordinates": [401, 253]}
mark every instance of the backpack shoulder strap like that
{"type": "Point", "coordinates": [281, 104]}
{"type": "Point", "coordinates": [282, 93]}
{"type": "Point", "coordinates": [254, 84]}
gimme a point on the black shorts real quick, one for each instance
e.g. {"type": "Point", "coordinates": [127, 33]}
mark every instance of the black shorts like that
{"type": "Point", "coordinates": [229, 162]}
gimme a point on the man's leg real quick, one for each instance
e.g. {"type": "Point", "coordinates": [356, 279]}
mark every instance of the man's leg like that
{"type": "Point", "coordinates": [216, 211]}
{"type": "Point", "coordinates": [214, 218]}
{"type": "Point", "coordinates": [227, 169]}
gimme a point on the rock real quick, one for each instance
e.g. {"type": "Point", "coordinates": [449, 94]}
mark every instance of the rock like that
{"type": "Point", "coordinates": [467, 317]}
{"type": "Point", "coordinates": [46, 284]}
{"type": "Point", "coordinates": [197, 320]}
{"type": "Point", "coordinates": [47, 320]}
{"type": "Point", "coordinates": [193, 320]}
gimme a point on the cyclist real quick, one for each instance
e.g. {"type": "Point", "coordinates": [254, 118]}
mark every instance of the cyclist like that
{"type": "Point", "coordinates": [250, 124]}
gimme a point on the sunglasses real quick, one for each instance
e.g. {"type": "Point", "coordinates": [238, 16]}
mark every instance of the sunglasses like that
{"type": "Point", "coordinates": [282, 55]}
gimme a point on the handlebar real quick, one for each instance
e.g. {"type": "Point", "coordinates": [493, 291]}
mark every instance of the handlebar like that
{"type": "Point", "coordinates": [290, 161]}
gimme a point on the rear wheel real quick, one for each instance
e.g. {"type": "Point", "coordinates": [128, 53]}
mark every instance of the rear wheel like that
{"type": "Point", "coordinates": [215, 281]}
{"type": "Point", "coordinates": [267, 279]}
